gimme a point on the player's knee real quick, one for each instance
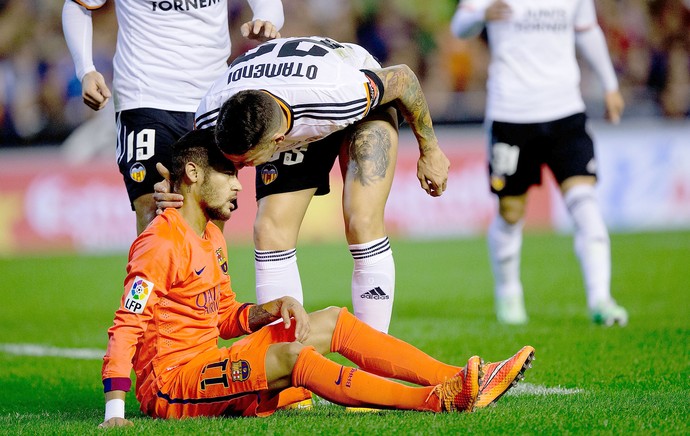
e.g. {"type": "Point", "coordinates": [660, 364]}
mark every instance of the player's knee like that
{"type": "Point", "coordinates": [269, 235]}
{"type": "Point", "coordinates": [363, 227]}
{"type": "Point", "coordinates": [290, 354]}
{"type": "Point", "coordinates": [584, 209]}
{"type": "Point", "coordinates": [511, 216]}
{"type": "Point", "coordinates": [511, 210]}
{"type": "Point", "coordinates": [326, 319]}
{"type": "Point", "coordinates": [264, 226]}
{"type": "Point", "coordinates": [323, 324]}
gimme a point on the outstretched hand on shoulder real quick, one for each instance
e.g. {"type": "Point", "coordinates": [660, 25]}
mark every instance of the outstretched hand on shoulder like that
{"type": "Point", "coordinates": [162, 192]}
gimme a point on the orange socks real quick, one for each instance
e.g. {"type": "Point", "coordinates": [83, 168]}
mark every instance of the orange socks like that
{"type": "Point", "coordinates": [357, 388]}
{"type": "Point", "coordinates": [386, 356]}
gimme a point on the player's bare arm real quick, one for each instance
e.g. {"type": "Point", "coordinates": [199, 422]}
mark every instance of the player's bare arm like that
{"type": "Point", "coordinates": [259, 30]}
{"type": "Point", "coordinates": [287, 308]}
{"type": "Point", "coordinates": [402, 86]}
{"type": "Point", "coordinates": [94, 91]}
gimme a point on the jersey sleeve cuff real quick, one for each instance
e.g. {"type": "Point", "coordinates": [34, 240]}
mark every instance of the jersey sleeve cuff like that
{"type": "Point", "coordinates": [244, 317]}
{"type": "Point", "coordinates": [375, 87]}
{"type": "Point", "coordinates": [117, 384]}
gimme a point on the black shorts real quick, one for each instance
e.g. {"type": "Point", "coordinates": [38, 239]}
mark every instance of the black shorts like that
{"type": "Point", "coordinates": [517, 152]}
{"type": "Point", "coordinates": [309, 166]}
{"type": "Point", "coordinates": [305, 167]}
{"type": "Point", "coordinates": [145, 137]}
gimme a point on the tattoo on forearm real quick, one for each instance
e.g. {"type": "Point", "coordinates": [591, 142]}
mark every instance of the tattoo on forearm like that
{"type": "Point", "coordinates": [369, 154]}
{"type": "Point", "coordinates": [259, 317]}
{"type": "Point", "coordinates": [413, 105]}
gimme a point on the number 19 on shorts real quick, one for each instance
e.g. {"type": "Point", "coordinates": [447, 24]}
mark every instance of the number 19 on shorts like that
{"type": "Point", "coordinates": [141, 145]}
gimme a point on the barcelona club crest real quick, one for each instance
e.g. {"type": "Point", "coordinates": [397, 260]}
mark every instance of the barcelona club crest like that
{"type": "Point", "coordinates": [240, 370]}
{"type": "Point", "coordinates": [222, 261]}
{"type": "Point", "coordinates": [268, 174]}
{"type": "Point", "coordinates": [137, 172]}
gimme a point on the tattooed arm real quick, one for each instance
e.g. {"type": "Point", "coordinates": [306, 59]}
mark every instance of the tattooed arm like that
{"type": "Point", "coordinates": [402, 87]}
{"type": "Point", "coordinates": [286, 308]}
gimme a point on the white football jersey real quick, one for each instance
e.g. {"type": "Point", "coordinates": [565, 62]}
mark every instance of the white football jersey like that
{"type": "Point", "coordinates": [319, 83]}
{"type": "Point", "coordinates": [533, 72]}
{"type": "Point", "coordinates": [168, 51]}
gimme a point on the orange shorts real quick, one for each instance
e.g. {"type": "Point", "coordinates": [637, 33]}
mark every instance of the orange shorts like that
{"type": "Point", "coordinates": [224, 381]}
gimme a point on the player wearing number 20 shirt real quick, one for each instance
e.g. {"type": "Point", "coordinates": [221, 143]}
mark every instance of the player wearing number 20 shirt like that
{"type": "Point", "coordinates": [327, 99]}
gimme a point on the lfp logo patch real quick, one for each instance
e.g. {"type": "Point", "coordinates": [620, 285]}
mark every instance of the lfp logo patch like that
{"type": "Point", "coordinates": [240, 370]}
{"type": "Point", "coordinates": [138, 295]}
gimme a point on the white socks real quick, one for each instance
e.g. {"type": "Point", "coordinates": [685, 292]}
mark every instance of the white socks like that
{"type": "Point", "coordinates": [277, 275]}
{"type": "Point", "coordinates": [373, 280]}
{"type": "Point", "coordinates": [505, 245]}
{"type": "Point", "coordinates": [591, 242]}
{"type": "Point", "coordinates": [373, 283]}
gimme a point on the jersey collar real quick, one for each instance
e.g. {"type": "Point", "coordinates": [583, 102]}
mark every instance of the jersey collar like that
{"type": "Point", "coordinates": [287, 110]}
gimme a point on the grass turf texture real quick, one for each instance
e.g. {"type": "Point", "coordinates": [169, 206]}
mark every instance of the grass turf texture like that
{"type": "Point", "coordinates": [632, 380]}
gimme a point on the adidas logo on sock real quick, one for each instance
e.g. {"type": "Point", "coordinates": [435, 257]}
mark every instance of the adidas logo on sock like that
{"type": "Point", "coordinates": [375, 294]}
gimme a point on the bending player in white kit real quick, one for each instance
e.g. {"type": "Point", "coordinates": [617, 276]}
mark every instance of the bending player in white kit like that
{"type": "Point", "coordinates": [535, 114]}
{"type": "Point", "coordinates": [306, 101]}
{"type": "Point", "coordinates": [168, 54]}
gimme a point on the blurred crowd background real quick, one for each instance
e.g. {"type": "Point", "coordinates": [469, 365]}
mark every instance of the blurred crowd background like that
{"type": "Point", "coordinates": [649, 42]}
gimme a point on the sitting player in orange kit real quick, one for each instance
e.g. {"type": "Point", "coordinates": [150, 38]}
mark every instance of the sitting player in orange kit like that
{"type": "Point", "coordinates": [178, 302]}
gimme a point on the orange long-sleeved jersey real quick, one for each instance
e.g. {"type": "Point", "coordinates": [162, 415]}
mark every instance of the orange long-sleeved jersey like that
{"type": "Point", "coordinates": [177, 302]}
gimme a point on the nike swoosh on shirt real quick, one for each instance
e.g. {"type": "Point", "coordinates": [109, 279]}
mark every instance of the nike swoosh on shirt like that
{"type": "Point", "coordinates": [340, 376]}
{"type": "Point", "coordinates": [198, 272]}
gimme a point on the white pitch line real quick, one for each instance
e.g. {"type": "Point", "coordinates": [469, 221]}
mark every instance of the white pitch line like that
{"type": "Point", "coordinates": [48, 351]}
{"type": "Point", "coordinates": [531, 389]}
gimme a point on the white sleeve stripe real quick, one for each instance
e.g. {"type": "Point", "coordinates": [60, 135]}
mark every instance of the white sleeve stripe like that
{"type": "Point", "coordinates": [204, 119]}
{"type": "Point", "coordinates": [322, 105]}
{"type": "Point", "coordinates": [208, 123]}
{"type": "Point", "coordinates": [326, 117]}
{"type": "Point", "coordinates": [206, 114]}
{"type": "Point", "coordinates": [354, 110]}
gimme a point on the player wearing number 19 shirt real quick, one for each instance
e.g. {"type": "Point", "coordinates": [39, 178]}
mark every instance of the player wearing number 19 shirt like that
{"type": "Point", "coordinates": [168, 53]}
{"type": "Point", "coordinates": [331, 99]}
{"type": "Point", "coordinates": [536, 117]}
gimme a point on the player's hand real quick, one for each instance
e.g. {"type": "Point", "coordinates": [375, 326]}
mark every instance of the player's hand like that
{"type": "Point", "coordinates": [432, 171]}
{"type": "Point", "coordinates": [162, 192]}
{"type": "Point", "coordinates": [116, 422]}
{"type": "Point", "coordinates": [292, 311]}
{"type": "Point", "coordinates": [94, 91]}
{"type": "Point", "coordinates": [498, 10]}
{"type": "Point", "coordinates": [259, 30]}
{"type": "Point", "coordinates": [614, 106]}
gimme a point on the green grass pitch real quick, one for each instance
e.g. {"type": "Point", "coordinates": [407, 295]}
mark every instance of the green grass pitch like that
{"type": "Point", "coordinates": [633, 380]}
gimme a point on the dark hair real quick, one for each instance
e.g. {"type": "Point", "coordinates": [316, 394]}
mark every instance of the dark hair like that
{"type": "Point", "coordinates": [244, 120]}
{"type": "Point", "coordinates": [198, 146]}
